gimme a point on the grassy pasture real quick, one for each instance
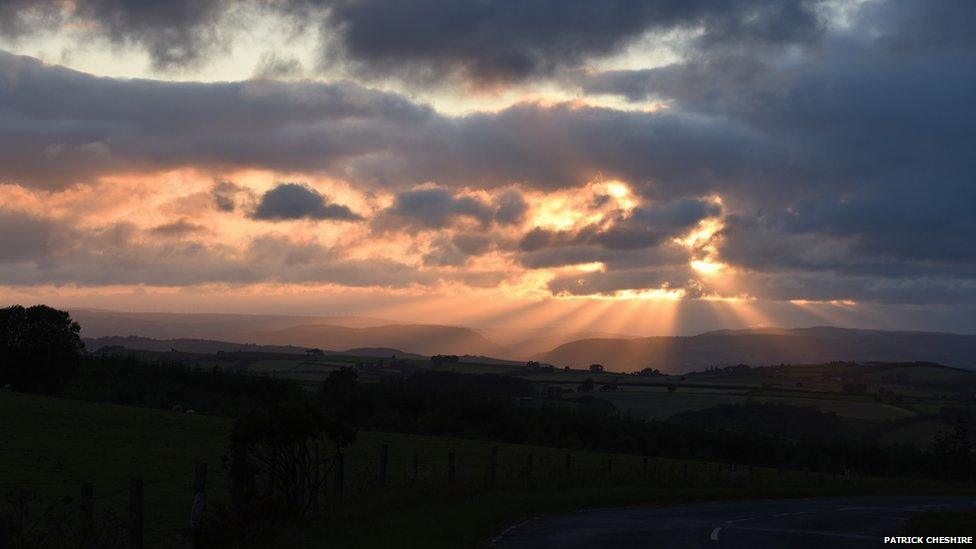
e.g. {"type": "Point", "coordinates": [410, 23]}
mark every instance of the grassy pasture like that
{"type": "Point", "coordinates": [48, 446]}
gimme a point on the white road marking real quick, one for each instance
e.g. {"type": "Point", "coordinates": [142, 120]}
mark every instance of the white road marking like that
{"type": "Point", "coordinates": [714, 536]}
{"type": "Point", "coordinates": [740, 520]}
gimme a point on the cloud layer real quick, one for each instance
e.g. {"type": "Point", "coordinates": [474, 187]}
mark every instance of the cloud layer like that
{"type": "Point", "coordinates": [785, 151]}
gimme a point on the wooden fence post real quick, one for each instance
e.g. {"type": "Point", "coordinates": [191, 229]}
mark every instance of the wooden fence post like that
{"type": "Point", "coordinates": [340, 466]}
{"type": "Point", "coordinates": [86, 513]}
{"type": "Point", "coordinates": [313, 492]}
{"type": "Point", "coordinates": [135, 514]}
{"type": "Point", "coordinates": [384, 458]}
{"type": "Point", "coordinates": [199, 495]}
{"type": "Point", "coordinates": [450, 468]}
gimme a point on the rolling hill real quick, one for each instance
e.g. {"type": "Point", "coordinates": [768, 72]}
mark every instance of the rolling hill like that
{"type": "Point", "coordinates": [765, 346]}
{"type": "Point", "coordinates": [206, 346]}
{"type": "Point", "coordinates": [218, 326]}
{"type": "Point", "coordinates": [325, 332]}
{"type": "Point", "coordinates": [524, 342]}
{"type": "Point", "coordinates": [413, 338]}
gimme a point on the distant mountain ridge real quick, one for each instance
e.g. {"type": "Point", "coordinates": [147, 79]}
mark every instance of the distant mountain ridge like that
{"type": "Point", "coordinates": [425, 339]}
{"type": "Point", "coordinates": [187, 345]}
{"type": "Point", "coordinates": [322, 332]}
{"type": "Point", "coordinates": [766, 346]}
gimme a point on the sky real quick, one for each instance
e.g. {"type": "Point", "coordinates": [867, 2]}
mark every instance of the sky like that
{"type": "Point", "coordinates": [647, 167]}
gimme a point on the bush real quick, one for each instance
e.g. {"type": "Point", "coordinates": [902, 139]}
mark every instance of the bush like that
{"type": "Point", "coordinates": [279, 463]}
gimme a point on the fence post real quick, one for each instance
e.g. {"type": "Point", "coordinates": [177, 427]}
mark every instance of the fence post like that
{"type": "Point", "coordinates": [199, 495]}
{"type": "Point", "coordinates": [528, 467]}
{"type": "Point", "coordinates": [86, 513]}
{"type": "Point", "coordinates": [135, 514]}
{"type": "Point", "coordinates": [644, 469]}
{"type": "Point", "coordinates": [340, 466]}
{"type": "Point", "coordinates": [314, 489]}
{"type": "Point", "coordinates": [569, 465]}
{"type": "Point", "coordinates": [684, 475]}
{"type": "Point", "coordinates": [610, 467]}
{"type": "Point", "coordinates": [384, 458]}
{"type": "Point", "coordinates": [732, 472]}
{"type": "Point", "coordinates": [450, 468]}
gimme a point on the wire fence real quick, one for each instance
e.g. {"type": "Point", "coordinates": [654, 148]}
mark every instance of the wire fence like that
{"type": "Point", "coordinates": [164, 506]}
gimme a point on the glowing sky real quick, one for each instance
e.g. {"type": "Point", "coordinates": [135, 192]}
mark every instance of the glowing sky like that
{"type": "Point", "coordinates": [643, 167]}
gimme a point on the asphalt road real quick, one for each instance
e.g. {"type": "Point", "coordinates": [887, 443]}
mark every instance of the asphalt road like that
{"type": "Point", "coordinates": [795, 523]}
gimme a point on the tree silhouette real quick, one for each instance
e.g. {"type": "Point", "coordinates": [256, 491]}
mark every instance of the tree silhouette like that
{"type": "Point", "coordinates": [39, 346]}
{"type": "Point", "coordinates": [596, 367]}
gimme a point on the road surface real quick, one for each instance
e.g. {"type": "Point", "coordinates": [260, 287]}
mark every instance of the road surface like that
{"type": "Point", "coordinates": [794, 523]}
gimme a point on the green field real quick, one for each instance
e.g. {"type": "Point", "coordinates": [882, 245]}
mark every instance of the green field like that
{"type": "Point", "coordinates": [48, 446]}
{"type": "Point", "coordinates": [51, 445]}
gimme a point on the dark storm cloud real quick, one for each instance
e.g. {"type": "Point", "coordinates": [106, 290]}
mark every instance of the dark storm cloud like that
{"type": "Point", "coordinates": [483, 40]}
{"type": "Point", "coordinates": [175, 33]}
{"type": "Point", "coordinates": [59, 127]}
{"type": "Point", "coordinates": [62, 127]}
{"type": "Point", "coordinates": [515, 39]}
{"type": "Point", "coordinates": [877, 126]}
{"type": "Point", "coordinates": [296, 201]}
{"type": "Point", "coordinates": [432, 208]}
{"type": "Point", "coordinates": [510, 207]}
{"type": "Point", "coordinates": [438, 207]}
{"type": "Point", "coordinates": [644, 227]}
{"type": "Point", "coordinates": [559, 146]}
